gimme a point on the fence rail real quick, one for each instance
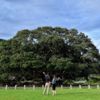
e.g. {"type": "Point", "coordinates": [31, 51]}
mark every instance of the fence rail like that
{"type": "Point", "coordinates": [6, 87]}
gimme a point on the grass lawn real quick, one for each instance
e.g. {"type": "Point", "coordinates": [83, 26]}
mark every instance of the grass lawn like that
{"type": "Point", "coordinates": [62, 94]}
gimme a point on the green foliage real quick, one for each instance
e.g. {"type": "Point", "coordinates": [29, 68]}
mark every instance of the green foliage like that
{"type": "Point", "coordinates": [65, 52]}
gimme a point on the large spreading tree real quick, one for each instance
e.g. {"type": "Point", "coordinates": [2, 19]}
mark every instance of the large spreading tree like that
{"type": "Point", "coordinates": [64, 52]}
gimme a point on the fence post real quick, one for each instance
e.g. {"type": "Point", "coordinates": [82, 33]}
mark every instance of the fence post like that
{"type": "Point", "coordinates": [42, 86]}
{"type": "Point", "coordinates": [24, 87]}
{"type": "Point", "coordinates": [33, 87]}
{"type": "Point", "coordinates": [80, 86]}
{"type": "Point", "coordinates": [98, 86]}
{"type": "Point", "coordinates": [15, 87]}
{"type": "Point", "coordinates": [71, 86]}
{"type": "Point", "coordinates": [89, 86]}
{"type": "Point", "coordinates": [6, 87]}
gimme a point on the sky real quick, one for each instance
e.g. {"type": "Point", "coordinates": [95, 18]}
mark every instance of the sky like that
{"type": "Point", "coordinates": [83, 15]}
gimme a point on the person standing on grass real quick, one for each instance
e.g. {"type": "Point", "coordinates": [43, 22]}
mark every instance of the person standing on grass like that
{"type": "Point", "coordinates": [54, 84]}
{"type": "Point", "coordinates": [47, 84]}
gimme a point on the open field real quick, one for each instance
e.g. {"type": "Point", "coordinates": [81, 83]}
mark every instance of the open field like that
{"type": "Point", "coordinates": [62, 94]}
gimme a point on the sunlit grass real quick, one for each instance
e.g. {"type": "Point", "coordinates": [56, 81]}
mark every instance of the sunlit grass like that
{"type": "Point", "coordinates": [62, 94]}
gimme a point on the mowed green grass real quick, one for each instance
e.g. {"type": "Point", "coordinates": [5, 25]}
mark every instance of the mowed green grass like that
{"type": "Point", "coordinates": [62, 94]}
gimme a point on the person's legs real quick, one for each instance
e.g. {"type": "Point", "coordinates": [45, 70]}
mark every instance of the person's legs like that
{"type": "Point", "coordinates": [45, 88]}
{"type": "Point", "coordinates": [53, 89]}
{"type": "Point", "coordinates": [48, 87]}
{"type": "Point", "coordinates": [55, 92]}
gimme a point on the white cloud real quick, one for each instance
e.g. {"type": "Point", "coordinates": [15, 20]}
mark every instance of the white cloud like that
{"type": "Point", "coordinates": [19, 14]}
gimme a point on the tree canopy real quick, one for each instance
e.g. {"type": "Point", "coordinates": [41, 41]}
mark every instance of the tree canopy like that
{"type": "Point", "coordinates": [65, 52]}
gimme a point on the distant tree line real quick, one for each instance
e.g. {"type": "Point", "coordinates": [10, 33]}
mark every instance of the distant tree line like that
{"type": "Point", "coordinates": [66, 52]}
